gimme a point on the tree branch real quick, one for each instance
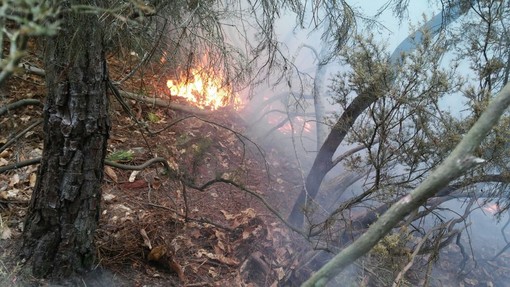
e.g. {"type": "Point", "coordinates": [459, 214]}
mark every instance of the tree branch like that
{"type": "Point", "coordinates": [458, 162]}
{"type": "Point", "coordinates": [14, 139]}
{"type": "Point", "coordinates": [107, 162]}
{"type": "Point", "coordinates": [20, 103]}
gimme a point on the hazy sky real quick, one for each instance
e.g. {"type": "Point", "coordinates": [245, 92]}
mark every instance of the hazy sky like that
{"type": "Point", "coordinates": [392, 33]}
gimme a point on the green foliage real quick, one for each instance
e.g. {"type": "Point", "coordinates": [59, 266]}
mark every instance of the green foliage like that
{"type": "Point", "coordinates": [152, 117]}
{"type": "Point", "coordinates": [195, 147]}
{"type": "Point", "coordinates": [402, 127]}
{"type": "Point", "coordinates": [436, 94]}
{"type": "Point", "coordinates": [183, 139]}
{"type": "Point", "coordinates": [390, 244]}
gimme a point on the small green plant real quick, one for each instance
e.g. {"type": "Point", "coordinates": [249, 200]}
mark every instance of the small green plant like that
{"type": "Point", "coordinates": [121, 155]}
{"type": "Point", "coordinates": [153, 118]}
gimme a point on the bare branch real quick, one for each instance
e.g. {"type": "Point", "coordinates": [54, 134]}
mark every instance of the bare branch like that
{"type": "Point", "coordinates": [459, 161]}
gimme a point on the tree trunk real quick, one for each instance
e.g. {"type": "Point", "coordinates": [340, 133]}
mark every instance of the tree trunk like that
{"type": "Point", "coordinates": [65, 206]}
{"type": "Point", "coordinates": [323, 163]}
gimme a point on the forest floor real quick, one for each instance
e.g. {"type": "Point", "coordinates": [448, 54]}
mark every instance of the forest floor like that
{"type": "Point", "coordinates": [155, 229]}
{"type": "Point", "coordinates": [158, 227]}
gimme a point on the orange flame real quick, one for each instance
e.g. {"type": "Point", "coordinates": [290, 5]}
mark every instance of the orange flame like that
{"type": "Point", "coordinates": [204, 90]}
{"type": "Point", "coordinates": [492, 208]}
{"type": "Point", "coordinates": [489, 207]}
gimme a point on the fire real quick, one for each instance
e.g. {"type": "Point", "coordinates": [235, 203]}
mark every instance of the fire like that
{"type": "Point", "coordinates": [492, 208]}
{"type": "Point", "coordinates": [204, 89]}
{"type": "Point", "coordinates": [489, 207]}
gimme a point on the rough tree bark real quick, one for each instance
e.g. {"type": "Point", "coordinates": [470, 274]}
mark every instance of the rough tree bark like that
{"type": "Point", "coordinates": [64, 209]}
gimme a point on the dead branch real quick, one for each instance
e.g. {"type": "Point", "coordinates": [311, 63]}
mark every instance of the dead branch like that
{"type": "Point", "coordinates": [352, 151]}
{"type": "Point", "coordinates": [339, 184]}
{"type": "Point", "coordinates": [19, 104]}
{"type": "Point", "coordinates": [501, 252]}
{"type": "Point", "coordinates": [164, 103]}
{"type": "Point", "coordinates": [147, 56]}
{"type": "Point", "coordinates": [14, 139]}
{"type": "Point", "coordinates": [174, 122]}
{"type": "Point", "coordinates": [140, 166]}
{"type": "Point", "coordinates": [282, 97]}
{"type": "Point", "coordinates": [323, 163]}
{"type": "Point", "coordinates": [167, 166]}
{"type": "Point", "coordinates": [31, 69]}
{"type": "Point", "coordinates": [276, 127]}
{"type": "Point", "coordinates": [200, 220]}
{"type": "Point", "coordinates": [20, 164]}
{"type": "Point", "coordinates": [413, 257]}
{"type": "Point", "coordinates": [107, 162]}
{"type": "Point", "coordinates": [506, 240]}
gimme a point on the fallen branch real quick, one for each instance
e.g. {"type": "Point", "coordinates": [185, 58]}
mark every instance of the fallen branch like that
{"type": "Point", "coordinates": [132, 96]}
{"type": "Point", "coordinates": [14, 139]}
{"type": "Point", "coordinates": [31, 69]}
{"type": "Point", "coordinates": [18, 104]}
{"type": "Point", "coordinates": [164, 103]}
{"type": "Point", "coordinates": [107, 162]}
{"type": "Point", "coordinates": [186, 218]}
{"type": "Point", "coordinates": [140, 166]}
{"type": "Point", "coordinates": [167, 166]}
{"type": "Point", "coordinates": [20, 164]}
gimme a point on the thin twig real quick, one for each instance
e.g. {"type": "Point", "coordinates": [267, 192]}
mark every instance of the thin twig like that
{"type": "Point", "coordinates": [14, 139]}
{"type": "Point", "coordinates": [201, 220]}
{"type": "Point", "coordinates": [253, 193]}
